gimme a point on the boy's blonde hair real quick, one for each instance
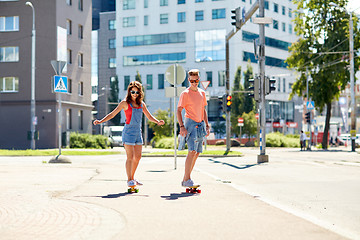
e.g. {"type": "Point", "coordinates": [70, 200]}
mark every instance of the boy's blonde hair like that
{"type": "Point", "coordinates": [194, 72]}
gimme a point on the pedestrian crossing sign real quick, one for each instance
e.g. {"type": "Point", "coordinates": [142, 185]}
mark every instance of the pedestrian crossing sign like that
{"type": "Point", "coordinates": [310, 105]}
{"type": "Point", "coordinates": [60, 84]}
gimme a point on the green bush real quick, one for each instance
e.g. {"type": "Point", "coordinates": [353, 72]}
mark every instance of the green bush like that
{"type": "Point", "coordinates": [83, 140]}
{"type": "Point", "coordinates": [279, 140]}
{"type": "Point", "coordinates": [164, 142]}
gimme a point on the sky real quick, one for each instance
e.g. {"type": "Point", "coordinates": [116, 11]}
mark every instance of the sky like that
{"type": "Point", "coordinates": [354, 5]}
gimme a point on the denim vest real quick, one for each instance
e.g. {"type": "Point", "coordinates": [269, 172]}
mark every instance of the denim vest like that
{"type": "Point", "coordinates": [199, 130]}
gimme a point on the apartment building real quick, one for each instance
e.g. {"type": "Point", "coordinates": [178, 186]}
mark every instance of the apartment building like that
{"type": "Point", "coordinates": [74, 16]}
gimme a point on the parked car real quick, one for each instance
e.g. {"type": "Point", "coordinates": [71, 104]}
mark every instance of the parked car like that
{"type": "Point", "coordinates": [346, 137]}
{"type": "Point", "coordinates": [114, 134]}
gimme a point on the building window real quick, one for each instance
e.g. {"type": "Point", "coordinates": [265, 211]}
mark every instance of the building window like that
{"type": "Point", "coordinates": [69, 56]}
{"type": "Point", "coordinates": [209, 78]}
{"type": "Point", "coordinates": [146, 20]}
{"type": "Point", "coordinates": [283, 10]}
{"type": "Point", "coordinates": [290, 29]}
{"type": "Point", "coordinates": [221, 76]}
{"type": "Point", "coordinates": [181, 1]}
{"type": "Point", "coordinates": [69, 2]}
{"type": "Point", "coordinates": [290, 12]}
{"type": "Point", "coordinates": [81, 119]}
{"type": "Point", "coordinates": [269, 61]}
{"type": "Point", "coordinates": [9, 54]}
{"type": "Point", "coordinates": [199, 15]}
{"type": "Point", "coordinates": [164, 58]}
{"type": "Point", "coordinates": [149, 82]}
{"type": "Point", "coordinates": [112, 43]}
{"type": "Point", "coordinates": [129, 22]}
{"type": "Point", "coordinates": [284, 85]}
{"type": "Point", "coordinates": [112, 62]}
{"type": "Point", "coordinates": [9, 84]}
{"type": "Point", "coordinates": [126, 82]}
{"type": "Point", "coordinates": [161, 78]}
{"type": "Point", "coordinates": [146, 3]}
{"type": "Point", "coordinates": [271, 42]}
{"type": "Point", "coordinates": [218, 13]}
{"type": "Point", "coordinates": [80, 5]}
{"type": "Point", "coordinates": [276, 7]}
{"type": "Point", "coordinates": [266, 5]}
{"type": "Point", "coordinates": [8, 24]}
{"type": "Point", "coordinates": [81, 89]}
{"type": "Point", "coordinates": [164, 3]}
{"type": "Point", "coordinates": [275, 24]}
{"type": "Point", "coordinates": [164, 18]}
{"type": "Point", "coordinates": [210, 45]}
{"type": "Point", "coordinates": [198, 1]}
{"type": "Point", "coordinates": [81, 60]}
{"type": "Point", "coordinates": [112, 24]}
{"type": "Point", "coordinates": [181, 17]}
{"type": "Point", "coordinates": [128, 4]}
{"type": "Point", "coordinates": [69, 26]}
{"type": "Point", "coordinates": [69, 85]}
{"type": "Point", "coordinates": [68, 119]}
{"type": "Point", "coordinates": [81, 32]}
{"type": "Point", "coordinates": [153, 39]}
{"type": "Point", "coordinates": [283, 27]}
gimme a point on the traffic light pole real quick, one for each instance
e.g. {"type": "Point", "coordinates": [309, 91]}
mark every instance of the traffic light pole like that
{"type": "Point", "coordinates": [247, 16]}
{"type": "Point", "coordinates": [262, 157]}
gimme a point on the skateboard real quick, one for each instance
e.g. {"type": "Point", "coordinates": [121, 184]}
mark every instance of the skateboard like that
{"type": "Point", "coordinates": [193, 189]}
{"type": "Point", "coordinates": [133, 189]}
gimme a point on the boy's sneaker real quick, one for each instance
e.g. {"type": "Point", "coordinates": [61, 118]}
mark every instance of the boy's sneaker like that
{"type": "Point", "coordinates": [131, 183]}
{"type": "Point", "coordinates": [188, 183]}
{"type": "Point", "coordinates": [138, 183]}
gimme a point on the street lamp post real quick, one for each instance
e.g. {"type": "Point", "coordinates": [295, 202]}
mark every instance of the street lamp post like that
{"type": "Point", "coordinates": [32, 108]}
{"type": "Point", "coordinates": [352, 80]}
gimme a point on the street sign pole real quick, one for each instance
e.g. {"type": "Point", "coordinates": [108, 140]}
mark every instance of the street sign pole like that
{"type": "Point", "coordinates": [175, 110]}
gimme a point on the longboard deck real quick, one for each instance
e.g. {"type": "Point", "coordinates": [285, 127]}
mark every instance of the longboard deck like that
{"type": "Point", "coordinates": [193, 189]}
{"type": "Point", "coordinates": [132, 189]}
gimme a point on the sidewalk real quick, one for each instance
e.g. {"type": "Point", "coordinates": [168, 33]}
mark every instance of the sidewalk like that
{"type": "Point", "coordinates": [88, 199]}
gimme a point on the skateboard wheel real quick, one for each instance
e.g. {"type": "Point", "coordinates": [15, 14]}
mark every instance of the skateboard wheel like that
{"type": "Point", "coordinates": [187, 190]}
{"type": "Point", "coordinates": [199, 191]}
{"type": "Point", "coordinates": [129, 190]}
{"type": "Point", "coordinates": [136, 190]}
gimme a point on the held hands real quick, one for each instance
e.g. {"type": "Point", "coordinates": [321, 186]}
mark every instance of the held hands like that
{"type": "Point", "coordinates": [207, 131]}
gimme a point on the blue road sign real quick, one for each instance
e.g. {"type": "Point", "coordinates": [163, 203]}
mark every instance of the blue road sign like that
{"type": "Point", "coordinates": [60, 84]}
{"type": "Point", "coordinates": [310, 105]}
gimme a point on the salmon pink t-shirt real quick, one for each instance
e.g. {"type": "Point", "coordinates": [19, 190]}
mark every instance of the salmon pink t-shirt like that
{"type": "Point", "coordinates": [194, 103]}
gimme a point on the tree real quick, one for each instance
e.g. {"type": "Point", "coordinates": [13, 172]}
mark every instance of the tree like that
{"type": "Point", "coordinates": [219, 128]}
{"type": "Point", "coordinates": [318, 55]}
{"type": "Point", "coordinates": [114, 99]}
{"type": "Point", "coordinates": [167, 129]}
{"type": "Point", "coordinates": [250, 124]}
{"type": "Point", "coordinates": [237, 101]}
{"type": "Point", "coordinates": [138, 76]}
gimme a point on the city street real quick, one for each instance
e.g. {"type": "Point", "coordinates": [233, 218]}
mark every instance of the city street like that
{"type": "Point", "coordinates": [297, 195]}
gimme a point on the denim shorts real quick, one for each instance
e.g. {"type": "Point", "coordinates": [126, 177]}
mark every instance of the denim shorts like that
{"type": "Point", "coordinates": [193, 143]}
{"type": "Point", "coordinates": [132, 136]}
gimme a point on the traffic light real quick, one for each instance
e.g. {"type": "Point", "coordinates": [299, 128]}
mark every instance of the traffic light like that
{"type": "Point", "coordinates": [221, 102]}
{"type": "Point", "coordinates": [255, 87]}
{"type": "Point", "coordinates": [236, 17]}
{"type": "Point", "coordinates": [307, 117]}
{"type": "Point", "coordinates": [228, 103]}
{"type": "Point", "coordinates": [269, 85]}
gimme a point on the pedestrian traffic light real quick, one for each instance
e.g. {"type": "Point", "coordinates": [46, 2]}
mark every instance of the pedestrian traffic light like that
{"type": "Point", "coordinates": [228, 103]}
{"type": "Point", "coordinates": [269, 85]}
{"type": "Point", "coordinates": [307, 117]}
{"type": "Point", "coordinates": [255, 87]}
{"type": "Point", "coordinates": [236, 17]}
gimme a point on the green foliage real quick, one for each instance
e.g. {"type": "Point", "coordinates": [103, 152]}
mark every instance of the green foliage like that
{"type": "Point", "coordinates": [83, 140]}
{"type": "Point", "coordinates": [249, 102]}
{"type": "Point", "coordinates": [238, 101]}
{"type": "Point", "coordinates": [114, 99]}
{"type": "Point", "coordinates": [138, 77]}
{"type": "Point", "coordinates": [250, 124]}
{"type": "Point", "coordinates": [164, 142]}
{"type": "Point", "coordinates": [279, 140]}
{"type": "Point", "coordinates": [167, 129]}
{"type": "Point", "coordinates": [323, 29]}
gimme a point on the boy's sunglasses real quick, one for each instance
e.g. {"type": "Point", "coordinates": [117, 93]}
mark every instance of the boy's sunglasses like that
{"type": "Point", "coordinates": [134, 92]}
{"type": "Point", "coordinates": [194, 81]}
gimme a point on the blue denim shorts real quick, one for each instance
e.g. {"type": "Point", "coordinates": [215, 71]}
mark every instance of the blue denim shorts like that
{"type": "Point", "coordinates": [132, 136]}
{"type": "Point", "coordinates": [193, 143]}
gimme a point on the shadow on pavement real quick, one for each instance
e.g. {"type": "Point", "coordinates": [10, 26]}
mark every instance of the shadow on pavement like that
{"type": "Point", "coordinates": [176, 196]}
{"type": "Point", "coordinates": [232, 165]}
{"type": "Point", "coordinates": [117, 195]}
